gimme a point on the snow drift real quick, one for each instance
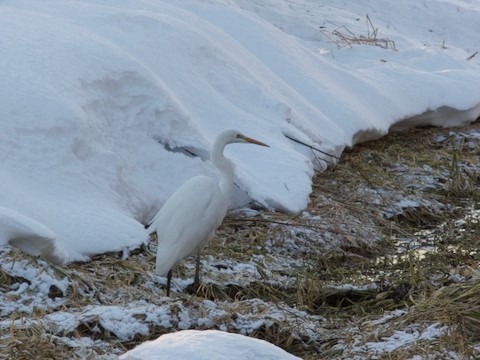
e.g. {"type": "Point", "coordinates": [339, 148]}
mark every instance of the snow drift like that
{"type": "Point", "coordinates": [206, 345]}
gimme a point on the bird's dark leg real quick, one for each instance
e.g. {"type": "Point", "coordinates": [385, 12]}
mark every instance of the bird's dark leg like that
{"type": "Point", "coordinates": [196, 280]}
{"type": "Point", "coordinates": [169, 281]}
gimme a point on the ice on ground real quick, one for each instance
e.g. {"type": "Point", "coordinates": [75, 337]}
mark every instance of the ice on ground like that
{"type": "Point", "coordinates": [402, 338]}
{"type": "Point", "coordinates": [39, 286]}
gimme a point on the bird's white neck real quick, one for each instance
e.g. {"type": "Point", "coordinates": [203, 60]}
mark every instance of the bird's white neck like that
{"type": "Point", "coordinates": [224, 165]}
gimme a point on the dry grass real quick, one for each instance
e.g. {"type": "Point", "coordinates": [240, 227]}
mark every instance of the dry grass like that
{"type": "Point", "coordinates": [342, 36]}
{"type": "Point", "coordinates": [398, 165]}
{"type": "Point", "coordinates": [30, 343]}
{"type": "Point", "coordinates": [457, 306]}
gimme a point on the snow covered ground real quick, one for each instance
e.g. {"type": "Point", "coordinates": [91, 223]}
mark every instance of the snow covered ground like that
{"type": "Point", "coordinates": [103, 102]}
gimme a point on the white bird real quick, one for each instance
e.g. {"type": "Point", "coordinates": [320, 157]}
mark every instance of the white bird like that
{"type": "Point", "coordinates": [191, 215]}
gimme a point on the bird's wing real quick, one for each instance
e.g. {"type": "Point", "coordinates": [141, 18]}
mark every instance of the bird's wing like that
{"type": "Point", "coordinates": [187, 220]}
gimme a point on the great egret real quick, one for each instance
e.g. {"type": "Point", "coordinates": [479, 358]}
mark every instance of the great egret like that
{"type": "Point", "coordinates": [190, 217]}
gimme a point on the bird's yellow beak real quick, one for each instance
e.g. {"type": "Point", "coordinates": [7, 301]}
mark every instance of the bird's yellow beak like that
{"type": "Point", "coordinates": [253, 141]}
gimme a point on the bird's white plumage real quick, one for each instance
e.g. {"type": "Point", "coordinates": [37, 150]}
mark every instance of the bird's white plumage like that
{"type": "Point", "coordinates": [203, 211]}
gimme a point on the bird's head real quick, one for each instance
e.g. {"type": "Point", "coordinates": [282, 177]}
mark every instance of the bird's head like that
{"type": "Point", "coordinates": [235, 136]}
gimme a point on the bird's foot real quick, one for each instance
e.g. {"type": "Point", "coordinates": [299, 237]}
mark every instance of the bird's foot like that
{"type": "Point", "coordinates": [194, 288]}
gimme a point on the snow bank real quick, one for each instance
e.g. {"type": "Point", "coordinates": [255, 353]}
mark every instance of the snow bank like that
{"type": "Point", "coordinates": [28, 235]}
{"type": "Point", "coordinates": [104, 102]}
{"type": "Point", "coordinates": [208, 345]}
